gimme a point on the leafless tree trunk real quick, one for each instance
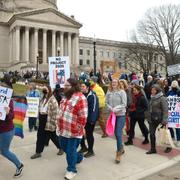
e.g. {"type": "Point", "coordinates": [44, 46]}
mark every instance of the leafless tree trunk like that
{"type": "Point", "coordinates": [162, 26]}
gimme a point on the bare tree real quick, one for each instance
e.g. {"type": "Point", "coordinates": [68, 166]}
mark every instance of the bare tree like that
{"type": "Point", "coordinates": [162, 27]}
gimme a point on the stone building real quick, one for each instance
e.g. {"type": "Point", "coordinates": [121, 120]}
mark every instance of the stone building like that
{"type": "Point", "coordinates": [32, 30]}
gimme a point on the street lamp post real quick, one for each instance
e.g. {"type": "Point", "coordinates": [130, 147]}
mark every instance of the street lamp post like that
{"type": "Point", "coordinates": [37, 65]}
{"type": "Point", "coordinates": [94, 44]}
{"type": "Point", "coordinates": [58, 50]}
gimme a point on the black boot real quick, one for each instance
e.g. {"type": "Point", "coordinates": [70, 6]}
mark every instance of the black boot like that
{"type": "Point", "coordinates": [153, 145]}
{"type": "Point", "coordinates": [129, 142]}
{"type": "Point", "coordinates": [152, 151]}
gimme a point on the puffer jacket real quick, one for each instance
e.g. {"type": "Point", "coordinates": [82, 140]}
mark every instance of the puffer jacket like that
{"type": "Point", "coordinates": [159, 106]}
{"type": "Point", "coordinates": [100, 94]}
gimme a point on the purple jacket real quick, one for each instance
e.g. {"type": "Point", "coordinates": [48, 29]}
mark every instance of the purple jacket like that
{"type": "Point", "coordinates": [8, 125]}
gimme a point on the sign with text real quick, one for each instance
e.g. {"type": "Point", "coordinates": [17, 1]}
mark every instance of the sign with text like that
{"type": "Point", "coordinates": [5, 97]}
{"type": "Point", "coordinates": [59, 70]}
{"type": "Point", "coordinates": [173, 69]}
{"type": "Point", "coordinates": [33, 107]}
{"type": "Point", "coordinates": [173, 112]}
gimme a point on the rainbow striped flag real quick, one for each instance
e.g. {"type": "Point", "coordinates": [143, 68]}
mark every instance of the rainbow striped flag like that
{"type": "Point", "coordinates": [20, 107]}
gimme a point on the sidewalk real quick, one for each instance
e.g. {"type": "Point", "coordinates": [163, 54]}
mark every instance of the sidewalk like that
{"type": "Point", "coordinates": [135, 164]}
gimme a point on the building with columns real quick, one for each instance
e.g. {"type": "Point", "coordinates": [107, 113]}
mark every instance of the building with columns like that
{"type": "Point", "coordinates": [32, 30]}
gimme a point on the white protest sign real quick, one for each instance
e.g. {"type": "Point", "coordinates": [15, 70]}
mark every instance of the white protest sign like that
{"type": "Point", "coordinates": [173, 69]}
{"type": "Point", "coordinates": [33, 107]}
{"type": "Point", "coordinates": [59, 70]}
{"type": "Point", "coordinates": [5, 97]}
{"type": "Point", "coordinates": [173, 112]}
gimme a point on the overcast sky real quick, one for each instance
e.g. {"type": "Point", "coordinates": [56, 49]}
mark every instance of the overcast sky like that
{"type": "Point", "coordinates": [108, 19]}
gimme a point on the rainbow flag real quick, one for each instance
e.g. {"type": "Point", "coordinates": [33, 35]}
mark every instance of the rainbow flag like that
{"type": "Point", "coordinates": [20, 107]}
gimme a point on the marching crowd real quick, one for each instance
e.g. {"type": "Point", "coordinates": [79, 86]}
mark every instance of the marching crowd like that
{"type": "Point", "coordinates": [68, 116]}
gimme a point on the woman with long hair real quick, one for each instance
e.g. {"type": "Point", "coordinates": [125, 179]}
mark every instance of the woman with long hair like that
{"type": "Point", "coordinates": [116, 101]}
{"type": "Point", "coordinates": [47, 122]}
{"type": "Point", "coordinates": [137, 109]}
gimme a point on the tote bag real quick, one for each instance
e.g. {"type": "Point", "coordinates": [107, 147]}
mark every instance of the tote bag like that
{"type": "Point", "coordinates": [110, 125]}
{"type": "Point", "coordinates": [163, 137]}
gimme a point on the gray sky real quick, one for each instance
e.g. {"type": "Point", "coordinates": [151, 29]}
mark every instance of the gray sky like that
{"type": "Point", "coordinates": [108, 19]}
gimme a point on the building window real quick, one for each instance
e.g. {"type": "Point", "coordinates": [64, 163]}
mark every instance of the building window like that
{"type": "Point", "coordinates": [88, 52]}
{"type": "Point", "coordinates": [88, 62]}
{"type": "Point", "coordinates": [81, 51]}
{"type": "Point", "coordinates": [102, 53]}
{"type": "Point", "coordinates": [161, 68]}
{"type": "Point", "coordinates": [120, 55]}
{"type": "Point", "coordinates": [120, 65]}
{"type": "Point", "coordinates": [108, 54]}
{"type": "Point", "coordinates": [160, 58]}
{"type": "Point", "coordinates": [81, 62]}
{"type": "Point", "coordinates": [155, 57]}
{"type": "Point", "coordinates": [114, 54]}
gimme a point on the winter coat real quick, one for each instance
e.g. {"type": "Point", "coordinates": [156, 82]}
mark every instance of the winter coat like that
{"type": "Point", "coordinates": [93, 107]}
{"type": "Point", "coordinates": [158, 108]}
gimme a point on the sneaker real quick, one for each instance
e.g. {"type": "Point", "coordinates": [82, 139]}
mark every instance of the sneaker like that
{"type": "Point", "coordinates": [69, 175]}
{"type": "Point", "coordinates": [83, 150]}
{"type": "Point", "coordinates": [127, 143]}
{"type": "Point", "coordinates": [19, 171]}
{"type": "Point", "coordinates": [60, 152]}
{"type": "Point", "coordinates": [89, 154]}
{"type": "Point", "coordinates": [168, 150]}
{"type": "Point", "coordinates": [35, 156]}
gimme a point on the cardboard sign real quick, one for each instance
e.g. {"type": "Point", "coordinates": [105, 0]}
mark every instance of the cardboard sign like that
{"type": "Point", "coordinates": [59, 70]}
{"type": "Point", "coordinates": [33, 107]}
{"type": "Point", "coordinates": [5, 97]}
{"type": "Point", "coordinates": [173, 111]}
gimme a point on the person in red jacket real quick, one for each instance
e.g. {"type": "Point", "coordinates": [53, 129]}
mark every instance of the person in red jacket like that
{"type": "Point", "coordinates": [71, 122]}
{"type": "Point", "coordinates": [7, 132]}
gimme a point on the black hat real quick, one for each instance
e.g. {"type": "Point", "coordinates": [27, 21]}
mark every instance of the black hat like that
{"type": "Point", "coordinates": [86, 82]}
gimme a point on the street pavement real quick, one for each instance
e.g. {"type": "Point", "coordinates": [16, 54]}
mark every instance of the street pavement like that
{"type": "Point", "coordinates": [135, 164]}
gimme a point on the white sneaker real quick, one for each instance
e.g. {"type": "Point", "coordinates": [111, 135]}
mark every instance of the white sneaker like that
{"type": "Point", "coordinates": [178, 144]}
{"type": "Point", "coordinates": [69, 175]}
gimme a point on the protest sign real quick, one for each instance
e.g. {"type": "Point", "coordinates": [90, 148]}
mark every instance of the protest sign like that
{"type": "Point", "coordinates": [59, 70]}
{"type": "Point", "coordinates": [173, 112]}
{"type": "Point", "coordinates": [33, 107]}
{"type": "Point", "coordinates": [5, 97]}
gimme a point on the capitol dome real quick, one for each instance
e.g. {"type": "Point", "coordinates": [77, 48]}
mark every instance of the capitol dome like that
{"type": "Point", "coordinates": [23, 5]}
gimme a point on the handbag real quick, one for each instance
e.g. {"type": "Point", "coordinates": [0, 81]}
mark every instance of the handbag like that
{"type": "Point", "coordinates": [110, 125]}
{"type": "Point", "coordinates": [163, 137]}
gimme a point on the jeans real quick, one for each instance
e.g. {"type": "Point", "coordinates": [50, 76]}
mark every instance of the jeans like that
{"type": "Point", "coordinates": [32, 123]}
{"type": "Point", "coordinates": [5, 141]}
{"type": "Point", "coordinates": [120, 122]}
{"type": "Point", "coordinates": [69, 146]}
{"type": "Point", "coordinates": [177, 133]}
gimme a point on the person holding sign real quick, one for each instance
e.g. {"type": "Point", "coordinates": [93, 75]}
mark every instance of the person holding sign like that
{"type": "Point", "coordinates": [35, 94]}
{"type": "Point", "coordinates": [175, 92]}
{"type": "Point", "coordinates": [7, 133]}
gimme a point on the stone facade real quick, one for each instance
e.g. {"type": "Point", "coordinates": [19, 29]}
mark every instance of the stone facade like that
{"type": "Point", "coordinates": [36, 34]}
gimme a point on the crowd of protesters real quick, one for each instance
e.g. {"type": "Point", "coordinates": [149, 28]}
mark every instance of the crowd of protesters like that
{"type": "Point", "coordinates": [68, 115]}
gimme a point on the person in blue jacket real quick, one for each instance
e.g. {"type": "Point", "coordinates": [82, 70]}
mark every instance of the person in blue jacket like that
{"type": "Point", "coordinates": [93, 114]}
{"type": "Point", "coordinates": [32, 92]}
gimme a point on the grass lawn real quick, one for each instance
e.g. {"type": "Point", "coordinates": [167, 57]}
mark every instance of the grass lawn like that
{"type": "Point", "coordinates": [19, 89]}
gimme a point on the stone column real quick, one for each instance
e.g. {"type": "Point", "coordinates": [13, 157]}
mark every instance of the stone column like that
{"type": "Point", "coordinates": [53, 43]}
{"type": "Point", "coordinates": [11, 46]}
{"type": "Point", "coordinates": [76, 50]}
{"type": "Point", "coordinates": [62, 44]}
{"type": "Point", "coordinates": [69, 47]}
{"type": "Point", "coordinates": [17, 44]}
{"type": "Point", "coordinates": [44, 46]}
{"type": "Point", "coordinates": [26, 44]}
{"type": "Point", "coordinates": [35, 44]}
